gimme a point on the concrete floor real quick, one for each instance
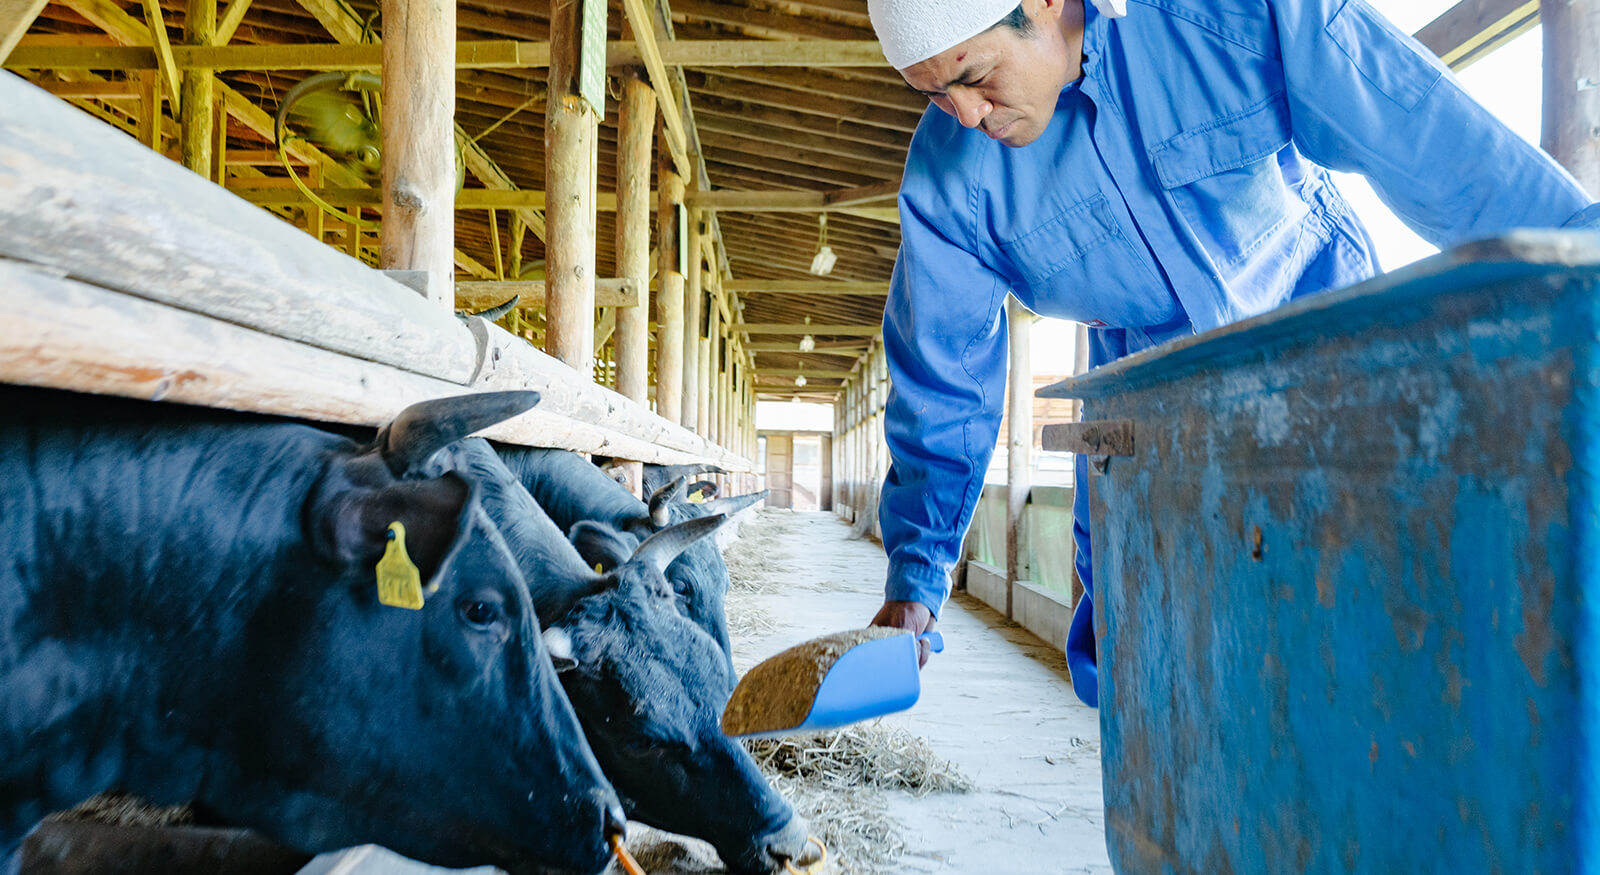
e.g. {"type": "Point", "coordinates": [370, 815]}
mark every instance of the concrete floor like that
{"type": "Point", "coordinates": [997, 703]}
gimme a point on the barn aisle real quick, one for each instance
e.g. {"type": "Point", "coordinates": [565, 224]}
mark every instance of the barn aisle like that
{"type": "Point", "coordinates": [996, 704]}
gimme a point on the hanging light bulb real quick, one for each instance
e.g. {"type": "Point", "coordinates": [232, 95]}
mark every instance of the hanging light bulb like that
{"type": "Point", "coordinates": [800, 381]}
{"type": "Point", "coordinates": [808, 343]}
{"type": "Point", "coordinates": [822, 263]}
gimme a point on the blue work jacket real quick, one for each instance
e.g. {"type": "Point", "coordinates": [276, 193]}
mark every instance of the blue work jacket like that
{"type": "Point", "coordinates": [1180, 186]}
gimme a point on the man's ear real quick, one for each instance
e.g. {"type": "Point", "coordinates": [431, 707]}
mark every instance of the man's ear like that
{"type": "Point", "coordinates": [558, 644]}
{"type": "Point", "coordinates": [354, 526]}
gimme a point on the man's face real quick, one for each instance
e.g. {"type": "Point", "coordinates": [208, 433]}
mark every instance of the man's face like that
{"type": "Point", "coordinates": [1003, 82]}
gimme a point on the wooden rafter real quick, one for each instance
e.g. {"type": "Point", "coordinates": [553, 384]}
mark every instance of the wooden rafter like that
{"type": "Point", "coordinates": [1471, 29]}
{"type": "Point", "coordinates": [16, 16]}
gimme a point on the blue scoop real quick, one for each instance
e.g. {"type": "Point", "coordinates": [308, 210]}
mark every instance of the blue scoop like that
{"type": "Point", "coordinates": [871, 679]}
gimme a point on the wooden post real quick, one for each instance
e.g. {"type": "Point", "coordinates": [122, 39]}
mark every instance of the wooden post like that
{"type": "Point", "coordinates": [703, 369]}
{"type": "Point", "coordinates": [636, 127]}
{"type": "Point", "coordinates": [669, 347]}
{"type": "Point", "coordinates": [693, 316]}
{"type": "Point", "coordinates": [570, 141]}
{"type": "Point", "coordinates": [669, 301]}
{"type": "Point", "coordinates": [219, 143]}
{"type": "Point", "coordinates": [419, 158]}
{"type": "Point", "coordinates": [150, 109]}
{"type": "Point", "coordinates": [1571, 129]}
{"type": "Point", "coordinates": [1019, 442]}
{"type": "Point", "coordinates": [196, 124]}
{"type": "Point", "coordinates": [315, 220]}
{"type": "Point", "coordinates": [352, 238]}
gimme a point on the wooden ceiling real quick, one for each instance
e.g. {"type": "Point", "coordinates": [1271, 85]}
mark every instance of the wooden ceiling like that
{"type": "Point", "coordinates": [791, 128]}
{"type": "Point", "coordinates": [772, 116]}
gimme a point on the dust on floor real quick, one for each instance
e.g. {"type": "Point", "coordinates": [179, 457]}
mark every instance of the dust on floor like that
{"type": "Point", "coordinates": [997, 717]}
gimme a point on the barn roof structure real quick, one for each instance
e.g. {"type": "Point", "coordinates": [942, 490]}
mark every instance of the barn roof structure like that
{"type": "Point", "coordinates": [788, 113]}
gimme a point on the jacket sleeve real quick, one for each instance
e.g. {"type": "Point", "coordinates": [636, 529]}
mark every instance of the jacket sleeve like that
{"type": "Point", "coordinates": [1365, 97]}
{"type": "Point", "coordinates": [944, 338]}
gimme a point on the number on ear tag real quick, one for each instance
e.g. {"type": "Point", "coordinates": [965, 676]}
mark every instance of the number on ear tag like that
{"type": "Point", "coordinates": [399, 581]}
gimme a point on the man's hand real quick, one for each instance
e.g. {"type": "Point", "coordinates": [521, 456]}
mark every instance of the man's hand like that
{"type": "Point", "coordinates": [913, 616]}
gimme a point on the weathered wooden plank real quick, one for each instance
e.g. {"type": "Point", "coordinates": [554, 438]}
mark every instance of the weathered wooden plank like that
{"type": "Point", "coordinates": [16, 16]}
{"type": "Point", "coordinates": [229, 22]}
{"type": "Point", "coordinates": [103, 209]}
{"type": "Point", "coordinates": [163, 49]}
{"type": "Point", "coordinates": [644, 33]}
{"type": "Point", "coordinates": [481, 295]}
{"type": "Point", "coordinates": [805, 328]}
{"type": "Point", "coordinates": [65, 334]}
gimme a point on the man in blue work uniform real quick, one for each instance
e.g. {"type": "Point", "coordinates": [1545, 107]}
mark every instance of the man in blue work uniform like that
{"type": "Point", "coordinates": [1153, 168]}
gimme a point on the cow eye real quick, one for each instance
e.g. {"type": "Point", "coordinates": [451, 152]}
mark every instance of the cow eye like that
{"type": "Point", "coordinates": [481, 613]}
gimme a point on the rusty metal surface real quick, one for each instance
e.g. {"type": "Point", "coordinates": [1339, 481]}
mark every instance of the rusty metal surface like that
{"type": "Point", "coordinates": [1100, 437]}
{"type": "Point", "coordinates": [1342, 610]}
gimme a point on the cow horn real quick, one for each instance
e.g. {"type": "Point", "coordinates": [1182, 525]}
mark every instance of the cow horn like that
{"type": "Point", "coordinates": [734, 504]}
{"type": "Point", "coordinates": [428, 426]}
{"type": "Point", "coordinates": [661, 548]}
{"type": "Point", "coordinates": [662, 499]}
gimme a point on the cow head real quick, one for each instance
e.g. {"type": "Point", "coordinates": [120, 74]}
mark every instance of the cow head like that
{"type": "Point", "coordinates": [649, 686]}
{"type": "Point", "coordinates": [441, 732]}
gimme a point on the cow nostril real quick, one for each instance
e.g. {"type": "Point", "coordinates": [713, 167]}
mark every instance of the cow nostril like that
{"type": "Point", "coordinates": [616, 820]}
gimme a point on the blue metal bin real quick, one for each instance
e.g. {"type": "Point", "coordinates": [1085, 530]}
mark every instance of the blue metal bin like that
{"type": "Point", "coordinates": [1347, 603]}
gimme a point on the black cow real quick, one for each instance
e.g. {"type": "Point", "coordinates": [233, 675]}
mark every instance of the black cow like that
{"type": "Point", "coordinates": [593, 509]}
{"type": "Point", "coordinates": [649, 688]}
{"type": "Point", "coordinates": [648, 684]}
{"type": "Point", "coordinates": [188, 611]}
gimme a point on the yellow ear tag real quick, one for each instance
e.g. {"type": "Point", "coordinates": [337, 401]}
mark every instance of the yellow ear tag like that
{"type": "Point", "coordinates": [598, 569]}
{"type": "Point", "coordinates": [399, 581]}
{"type": "Point", "coordinates": [697, 498]}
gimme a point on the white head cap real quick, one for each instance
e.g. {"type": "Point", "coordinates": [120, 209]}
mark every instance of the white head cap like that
{"type": "Point", "coordinates": [912, 31]}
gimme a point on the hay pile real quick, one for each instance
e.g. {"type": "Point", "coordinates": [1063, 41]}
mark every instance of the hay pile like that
{"type": "Point", "coordinates": [836, 781]}
{"type": "Point", "coordinates": [758, 550]}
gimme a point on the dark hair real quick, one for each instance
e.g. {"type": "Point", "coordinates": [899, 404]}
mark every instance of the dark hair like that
{"type": "Point", "coordinates": [1017, 20]}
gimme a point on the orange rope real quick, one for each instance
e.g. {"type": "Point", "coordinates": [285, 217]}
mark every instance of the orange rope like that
{"type": "Point", "coordinates": [624, 859]}
{"type": "Point", "coordinates": [814, 868]}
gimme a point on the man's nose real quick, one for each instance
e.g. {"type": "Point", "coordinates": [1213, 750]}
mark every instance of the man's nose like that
{"type": "Point", "coordinates": [971, 108]}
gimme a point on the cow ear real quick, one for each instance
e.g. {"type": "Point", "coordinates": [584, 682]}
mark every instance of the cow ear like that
{"type": "Point", "coordinates": [601, 546]}
{"type": "Point", "coordinates": [427, 426]}
{"type": "Point", "coordinates": [558, 644]}
{"type": "Point", "coordinates": [661, 548]}
{"type": "Point", "coordinates": [353, 528]}
{"type": "Point", "coordinates": [661, 500]}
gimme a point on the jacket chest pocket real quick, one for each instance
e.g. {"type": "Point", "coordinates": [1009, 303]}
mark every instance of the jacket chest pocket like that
{"type": "Point", "coordinates": [1080, 266]}
{"type": "Point", "coordinates": [1225, 180]}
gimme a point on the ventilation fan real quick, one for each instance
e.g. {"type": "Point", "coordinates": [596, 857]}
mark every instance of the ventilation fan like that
{"type": "Point", "coordinates": [340, 114]}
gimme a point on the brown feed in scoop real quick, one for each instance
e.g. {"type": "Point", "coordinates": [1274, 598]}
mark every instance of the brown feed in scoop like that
{"type": "Point", "coordinates": [777, 694]}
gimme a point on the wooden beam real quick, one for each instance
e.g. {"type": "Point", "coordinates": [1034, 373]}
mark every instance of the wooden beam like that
{"type": "Point", "coordinates": [163, 49]}
{"type": "Point", "coordinates": [852, 349]}
{"type": "Point", "coordinates": [808, 373]}
{"type": "Point", "coordinates": [470, 54]}
{"type": "Point", "coordinates": [806, 328]}
{"type": "Point", "coordinates": [807, 287]}
{"type": "Point", "coordinates": [753, 53]}
{"type": "Point", "coordinates": [100, 90]}
{"type": "Point", "coordinates": [478, 295]}
{"type": "Point", "coordinates": [228, 24]}
{"type": "Point", "coordinates": [693, 316]}
{"type": "Point", "coordinates": [16, 16]}
{"type": "Point", "coordinates": [1471, 29]}
{"type": "Point", "coordinates": [252, 273]}
{"type": "Point", "coordinates": [644, 32]}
